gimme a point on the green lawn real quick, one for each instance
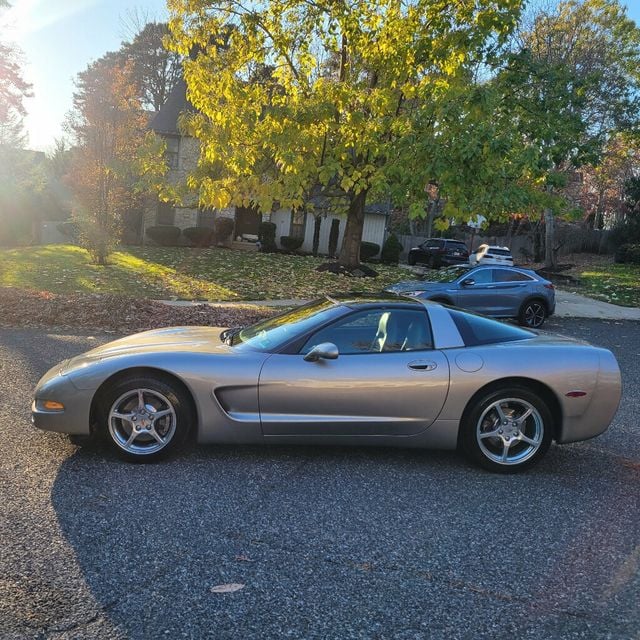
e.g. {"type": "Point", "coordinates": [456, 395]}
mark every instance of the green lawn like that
{"type": "Point", "coordinates": [616, 283]}
{"type": "Point", "coordinates": [183, 273]}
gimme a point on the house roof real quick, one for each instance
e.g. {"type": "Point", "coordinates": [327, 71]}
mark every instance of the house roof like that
{"type": "Point", "coordinates": [378, 208]}
{"type": "Point", "coordinates": [166, 120]}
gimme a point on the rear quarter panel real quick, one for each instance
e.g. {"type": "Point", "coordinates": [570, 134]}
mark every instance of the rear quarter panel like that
{"type": "Point", "coordinates": [560, 367]}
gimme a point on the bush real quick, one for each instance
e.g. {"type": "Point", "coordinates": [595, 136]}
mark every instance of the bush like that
{"type": "Point", "coordinates": [391, 250]}
{"type": "Point", "coordinates": [628, 254]}
{"type": "Point", "coordinates": [291, 243]}
{"type": "Point", "coordinates": [267, 237]}
{"type": "Point", "coordinates": [627, 232]}
{"type": "Point", "coordinates": [334, 234]}
{"type": "Point", "coordinates": [223, 228]}
{"type": "Point", "coordinates": [198, 236]}
{"type": "Point", "coordinates": [368, 250]}
{"type": "Point", "coordinates": [165, 235]}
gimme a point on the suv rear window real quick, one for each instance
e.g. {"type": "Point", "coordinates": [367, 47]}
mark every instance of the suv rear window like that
{"type": "Point", "coordinates": [498, 252]}
{"type": "Point", "coordinates": [476, 330]}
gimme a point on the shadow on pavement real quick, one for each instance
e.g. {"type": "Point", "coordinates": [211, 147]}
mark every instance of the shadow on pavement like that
{"type": "Point", "coordinates": [338, 543]}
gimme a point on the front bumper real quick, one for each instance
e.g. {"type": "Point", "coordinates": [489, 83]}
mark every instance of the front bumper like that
{"type": "Point", "coordinates": [74, 418]}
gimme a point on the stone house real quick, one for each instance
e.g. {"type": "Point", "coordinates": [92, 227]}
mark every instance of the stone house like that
{"type": "Point", "coordinates": [182, 157]}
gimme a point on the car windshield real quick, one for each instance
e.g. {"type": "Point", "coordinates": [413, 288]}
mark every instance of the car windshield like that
{"type": "Point", "coordinates": [446, 275]}
{"type": "Point", "coordinates": [276, 331]}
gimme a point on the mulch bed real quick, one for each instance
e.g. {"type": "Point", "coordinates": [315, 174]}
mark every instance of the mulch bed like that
{"type": "Point", "coordinates": [112, 313]}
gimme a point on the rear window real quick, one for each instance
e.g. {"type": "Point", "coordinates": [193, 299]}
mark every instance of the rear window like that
{"type": "Point", "coordinates": [506, 275]}
{"type": "Point", "coordinates": [476, 330]}
{"type": "Point", "coordinates": [457, 246]}
{"type": "Point", "coordinates": [499, 252]}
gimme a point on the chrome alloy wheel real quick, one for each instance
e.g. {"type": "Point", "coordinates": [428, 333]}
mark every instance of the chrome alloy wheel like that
{"type": "Point", "coordinates": [142, 421]}
{"type": "Point", "coordinates": [510, 431]}
{"type": "Point", "coordinates": [534, 314]}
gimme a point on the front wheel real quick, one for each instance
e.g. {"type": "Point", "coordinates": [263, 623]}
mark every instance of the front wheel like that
{"type": "Point", "coordinates": [507, 431]}
{"type": "Point", "coordinates": [532, 314]}
{"type": "Point", "coordinates": [145, 418]}
{"type": "Point", "coordinates": [411, 259]}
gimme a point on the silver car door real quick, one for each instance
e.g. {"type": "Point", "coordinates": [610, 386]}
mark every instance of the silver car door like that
{"type": "Point", "coordinates": [372, 388]}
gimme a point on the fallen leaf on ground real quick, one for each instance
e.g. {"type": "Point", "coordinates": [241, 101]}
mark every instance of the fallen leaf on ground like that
{"type": "Point", "coordinates": [227, 588]}
{"type": "Point", "coordinates": [243, 559]}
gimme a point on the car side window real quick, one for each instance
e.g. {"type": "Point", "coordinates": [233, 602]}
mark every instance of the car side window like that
{"type": "Point", "coordinates": [376, 331]}
{"type": "Point", "coordinates": [505, 275]}
{"type": "Point", "coordinates": [482, 276]}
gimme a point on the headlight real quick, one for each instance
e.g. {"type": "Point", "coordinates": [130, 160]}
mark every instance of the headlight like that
{"type": "Point", "coordinates": [413, 294]}
{"type": "Point", "coordinates": [49, 405]}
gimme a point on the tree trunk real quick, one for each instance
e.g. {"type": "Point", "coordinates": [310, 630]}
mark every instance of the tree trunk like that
{"type": "Point", "coordinates": [350, 251]}
{"type": "Point", "coordinates": [550, 261]}
{"type": "Point", "coordinates": [431, 210]}
{"type": "Point", "coordinates": [317, 223]}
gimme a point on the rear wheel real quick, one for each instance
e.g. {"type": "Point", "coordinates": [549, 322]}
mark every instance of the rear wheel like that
{"type": "Point", "coordinates": [532, 314]}
{"type": "Point", "coordinates": [507, 430]}
{"type": "Point", "coordinates": [145, 418]}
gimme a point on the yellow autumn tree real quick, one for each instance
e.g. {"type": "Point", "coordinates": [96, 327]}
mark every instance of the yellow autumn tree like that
{"type": "Point", "coordinates": [292, 94]}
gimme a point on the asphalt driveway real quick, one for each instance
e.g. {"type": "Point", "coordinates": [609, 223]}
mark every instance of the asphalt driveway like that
{"type": "Point", "coordinates": [328, 543]}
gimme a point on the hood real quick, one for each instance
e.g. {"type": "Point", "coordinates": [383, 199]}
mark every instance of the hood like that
{"type": "Point", "coordinates": [417, 285]}
{"type": "Point", "coordinates": [170, 340]}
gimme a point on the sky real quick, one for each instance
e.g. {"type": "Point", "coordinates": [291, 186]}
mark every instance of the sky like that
{"type": "Point", "coordinates": [59, 38]}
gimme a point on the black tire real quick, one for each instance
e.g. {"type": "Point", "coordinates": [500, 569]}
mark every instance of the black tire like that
{"type": "Point", "coordinates": [482, 419]}
{"type": "Point", "coordinates": [411, 260]}
{"type": "Point", "coordinates": [532, 313]}
{"type": "Point", "coordinates": [432, 263]}
{"type": "Point", "coordinates": [153, 438]}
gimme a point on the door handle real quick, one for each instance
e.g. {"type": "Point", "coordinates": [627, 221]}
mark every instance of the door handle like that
{"type": "Point", "coordinates": [422, 365]}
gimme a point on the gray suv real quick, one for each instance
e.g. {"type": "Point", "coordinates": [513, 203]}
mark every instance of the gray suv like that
{"type": "Point", "coordinates": [501, 292]}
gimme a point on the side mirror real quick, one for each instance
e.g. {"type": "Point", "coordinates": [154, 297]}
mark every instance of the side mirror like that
{"type": "Point", "coordinates": [325, 350]}
{"type": "Point", "coordinates": [468, 282]}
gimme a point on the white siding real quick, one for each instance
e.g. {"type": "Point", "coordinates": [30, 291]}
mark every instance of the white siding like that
{"type": "Point", "coordinates": [282, 219]}
{"type": "Point", "coordinates": [373, 231]}
{"type": "Point", "coordinates": [374, 226]}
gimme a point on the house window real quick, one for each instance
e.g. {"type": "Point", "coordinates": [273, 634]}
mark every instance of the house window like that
{"type": "Point", "coordinates": [172, 152]}
{"type": "Point", "coordinates": [166, 214]}
{"type": "Point", "coordinates": [297, 224]}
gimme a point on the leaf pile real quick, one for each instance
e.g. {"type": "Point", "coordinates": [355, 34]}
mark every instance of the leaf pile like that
{"type": "Point", "coordinates": [114, 313]}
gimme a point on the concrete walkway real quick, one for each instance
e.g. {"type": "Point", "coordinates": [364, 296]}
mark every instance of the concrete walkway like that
{"type": "Point", "coordinates": [568, 305]}
{"type": "Point", "coordinates": [573, 305]}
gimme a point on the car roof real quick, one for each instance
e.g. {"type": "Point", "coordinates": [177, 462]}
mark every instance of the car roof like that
{"type": "Point", "coordinates": [508, 267]}
{"type": "Point", "coordinates": [364, 301]}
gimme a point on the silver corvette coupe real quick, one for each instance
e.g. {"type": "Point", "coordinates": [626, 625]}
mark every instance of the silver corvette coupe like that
{"type": "Point", "coordinates": [366, 371]}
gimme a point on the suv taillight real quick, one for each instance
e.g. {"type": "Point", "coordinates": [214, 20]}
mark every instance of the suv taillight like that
{"type": "Point", "coordinates": [549, 286]}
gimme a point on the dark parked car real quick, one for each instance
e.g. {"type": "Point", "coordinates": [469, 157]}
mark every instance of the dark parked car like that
{"type": "Point", "coordinates": [501, 292]}
{"type": "Point", "coordinates": [439, 252]}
